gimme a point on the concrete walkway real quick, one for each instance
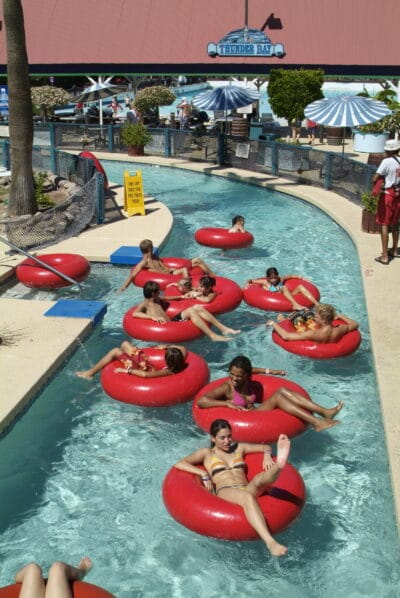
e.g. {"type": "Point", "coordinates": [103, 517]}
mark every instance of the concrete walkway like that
{"type": "Point", "coordinates": [378, 281]}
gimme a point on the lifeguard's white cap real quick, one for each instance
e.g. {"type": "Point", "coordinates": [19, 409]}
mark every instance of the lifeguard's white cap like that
{"type": "Point", "coordinates": [392, 145]}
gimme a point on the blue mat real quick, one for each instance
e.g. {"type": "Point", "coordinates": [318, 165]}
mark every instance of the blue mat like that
{"type": "Point", "coordinates": [72, 308]}
{"type": "Point", "coordinates": [128, 255]}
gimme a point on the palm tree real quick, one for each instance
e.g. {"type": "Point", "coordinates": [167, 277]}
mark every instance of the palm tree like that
{"type": "Point", "coordinates": [22, 195]}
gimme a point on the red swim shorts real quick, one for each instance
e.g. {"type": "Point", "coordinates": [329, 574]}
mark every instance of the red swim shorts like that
{"type": "Point", "coordinates": [388, 208]}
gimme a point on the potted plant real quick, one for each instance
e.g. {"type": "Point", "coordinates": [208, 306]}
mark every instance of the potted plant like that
{"type": "Point", "coordinates": [135, 136]}
{"type": "Point", "coordinates": [371, 138]}
{"type": "Point", "coordinates": [368, 217]}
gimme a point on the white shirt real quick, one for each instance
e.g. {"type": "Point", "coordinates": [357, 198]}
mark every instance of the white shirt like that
{"type": "Point", "coordinates": [390, 169]}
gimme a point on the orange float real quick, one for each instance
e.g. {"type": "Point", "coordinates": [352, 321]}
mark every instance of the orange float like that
{"type": "Point", "coordinates": [254, 425]}
{"type": "Point", "coordinates": [155, 392]}
{"type": "Point", "coordinates": [348, 344]}
{"type": "Point", "coordinates": [191, 505]}
{"type": "Point", "coordinates": [256, 296]}
{"type": "Point", "coordinates": [221, 238]}
{"type": "Point", "coordinates": [35, 276]}
{"type": "Point", "coordinates": [80, 589]}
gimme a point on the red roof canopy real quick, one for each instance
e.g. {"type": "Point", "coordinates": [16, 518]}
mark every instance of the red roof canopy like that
{"type": "Point", "coordinates": [171, 36]}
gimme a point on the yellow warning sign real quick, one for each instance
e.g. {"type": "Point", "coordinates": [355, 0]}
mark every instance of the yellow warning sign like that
{"type": "Point", "coordinates": [133, 193]}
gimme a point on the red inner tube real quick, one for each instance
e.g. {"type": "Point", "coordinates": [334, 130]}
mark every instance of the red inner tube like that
{"type": "Point", "coordinates": [164, 278]}
{"type": "Point", "coordinates": [256, 296]}
{"type": "Point", "coordinates": [221, 238]}
{"type": "Point", "coordinates": [255, 425]}
{"type": "Point", "coordinates": [348, 344]}
{"type": "Point", "coordinates": [168, 332]}
{"type": "Point", "coordinates": [32, 275]}
{"type": "Point", "coordinates": [229, 297]}
{"type": "Point", "coordinates": [81, 589]}
{"type": "Point", "coordinates": [189, 503]}
{"type": "Point", "coordinates": [156, 392]}
{"type": "Point", "coordinates": [97, 165]}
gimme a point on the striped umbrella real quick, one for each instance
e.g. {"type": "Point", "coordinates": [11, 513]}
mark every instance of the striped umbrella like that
{"type": "Point", "coordinates": [346, 111]}
{"type": "Point", "coordinates": [225, 98]}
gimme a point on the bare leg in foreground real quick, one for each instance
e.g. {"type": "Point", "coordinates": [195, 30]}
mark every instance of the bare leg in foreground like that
{"type": "Point", "coordinates": [57, 586]}
{"type": "Point", "coordinates": [247, 498]}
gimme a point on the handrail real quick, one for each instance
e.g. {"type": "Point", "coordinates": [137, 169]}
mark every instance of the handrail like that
{"type": "Point", "coordinates": [43, 264]}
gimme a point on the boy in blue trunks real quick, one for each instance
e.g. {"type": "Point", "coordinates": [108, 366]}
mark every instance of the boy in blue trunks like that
{"type": "Point", "coordinates": [151, 308]}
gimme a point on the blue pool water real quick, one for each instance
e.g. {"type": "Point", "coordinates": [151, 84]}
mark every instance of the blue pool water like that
{"type": "Point", "coordinates": [81, 474]}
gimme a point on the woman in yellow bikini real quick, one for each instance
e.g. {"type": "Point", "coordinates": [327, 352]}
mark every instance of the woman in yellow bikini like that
{"type": "Point", "coordinates": [226, 475]}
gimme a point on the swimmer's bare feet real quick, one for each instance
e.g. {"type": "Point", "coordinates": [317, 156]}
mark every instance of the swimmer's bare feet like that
{"type": "Point", "coordinates": [228, 331]}
{"type": "Point", "coordinates": [217, 338]}
{"type": "Point", "coordinates": [86, 374]}
{"type": "Point", "coordinates": [84, 566]}
{"type": "Point", "coordinates": [283, 445]}
{"type": "Point", "coordinates": [331, 413]}
{"type": "Point", "coordinates": [324, 424]}
{"type": "Point", "coordinates": [297, 306]}
{"type": "Point", "coordinates": [275, 548]}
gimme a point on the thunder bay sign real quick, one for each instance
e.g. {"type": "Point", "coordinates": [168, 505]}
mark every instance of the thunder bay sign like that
{"type": "Point", "coordinates": [245, 42]}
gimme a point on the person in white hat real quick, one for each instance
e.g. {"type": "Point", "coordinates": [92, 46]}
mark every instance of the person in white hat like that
{"type": "Point", "coordinates": [388, 214]}
{"type": "Point", "coordinates": [184, 114]}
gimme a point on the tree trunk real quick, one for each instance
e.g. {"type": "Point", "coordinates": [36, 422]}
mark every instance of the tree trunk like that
{"type": "Point", "coordinates": [22, 194]}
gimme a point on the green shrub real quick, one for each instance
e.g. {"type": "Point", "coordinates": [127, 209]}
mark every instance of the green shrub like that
{"type": "Point", "coordinates": [42, 200]}
{"type": "Point", "coordinates": [369, 202]}
{"type": "Point", "coordinates": [135, 135]}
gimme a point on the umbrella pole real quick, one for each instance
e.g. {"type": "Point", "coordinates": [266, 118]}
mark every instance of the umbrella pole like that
{"type": "Point", "coordinates": [101, 116]}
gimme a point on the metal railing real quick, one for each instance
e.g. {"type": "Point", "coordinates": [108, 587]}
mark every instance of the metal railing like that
{"type": "Point", "coordinates": [300, 163]}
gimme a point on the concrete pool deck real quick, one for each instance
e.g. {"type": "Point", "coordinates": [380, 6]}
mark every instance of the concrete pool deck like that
{"type": "Point", "coordinates": [97, 244]}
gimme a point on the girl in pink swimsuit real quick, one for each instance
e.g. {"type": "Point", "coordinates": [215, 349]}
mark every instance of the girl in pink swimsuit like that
{"type": "Point", "coordinates": [239, 393]}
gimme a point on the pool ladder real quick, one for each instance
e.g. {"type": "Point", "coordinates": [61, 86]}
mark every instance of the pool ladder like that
{"type": "Point", "coordinates": [42, 264]}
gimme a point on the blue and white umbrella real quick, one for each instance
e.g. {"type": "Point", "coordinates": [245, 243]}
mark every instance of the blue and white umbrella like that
{"type": "Point", "coordinates": [346, 111]}
{"type": "Point", "coordinates": [226, 98]}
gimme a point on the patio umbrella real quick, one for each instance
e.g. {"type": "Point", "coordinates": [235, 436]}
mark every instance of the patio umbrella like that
{"type": "Point", "coordinates": [99, 91]}
{"type": "Point", "coordinates": [346, 111]}
{"type": "Point", "coordinates": [225, 98]}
